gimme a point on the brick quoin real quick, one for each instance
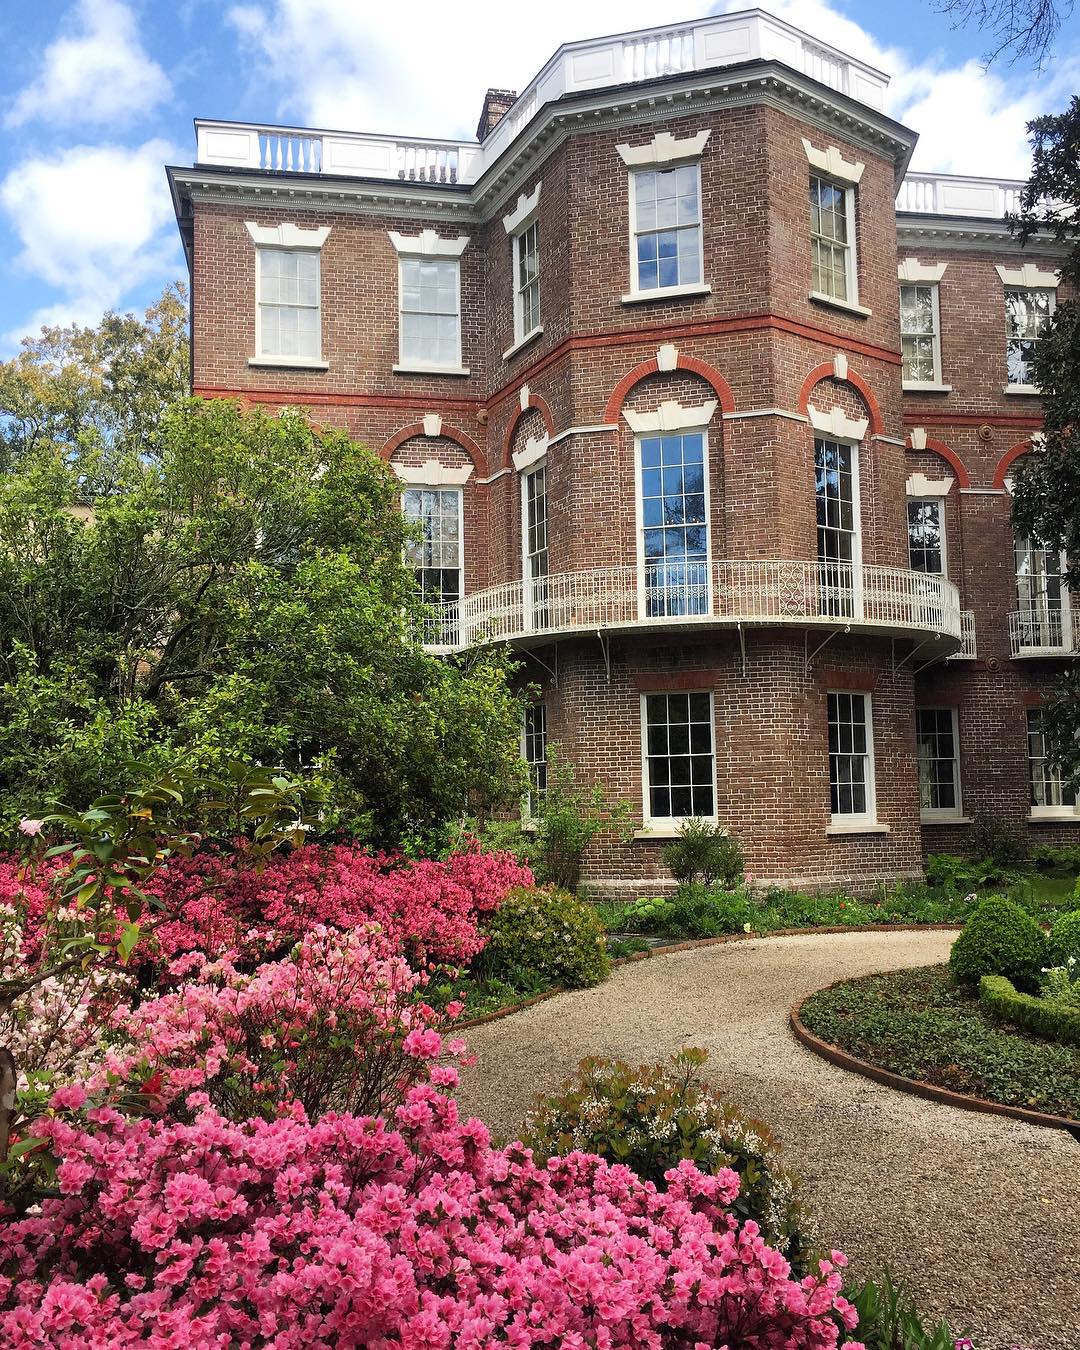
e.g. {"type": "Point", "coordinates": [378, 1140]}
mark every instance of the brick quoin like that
{"type": "Point", "coordinates": [759, 345]}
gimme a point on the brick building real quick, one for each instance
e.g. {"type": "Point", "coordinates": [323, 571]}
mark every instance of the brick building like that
{"type": "Point", "coordinates": [706, 407]}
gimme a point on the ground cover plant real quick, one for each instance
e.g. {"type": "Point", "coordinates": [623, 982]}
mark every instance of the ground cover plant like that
{"type": "Point", "coordinates": [922, 1024]}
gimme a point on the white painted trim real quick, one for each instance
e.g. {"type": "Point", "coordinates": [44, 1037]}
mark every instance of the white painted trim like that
{"type": "Point", "coordinates": [427, 368]}
{"type": "Point", "coordinates": [857, 827]}
{"type": "Point", "coordinates": [935, 312]}
{"type": "Point", "coordinates": [765, 412]}
{"type": "Point", "coordinates": [635, 294]}
{"type": "Point", "coordinates": [939, 815]}
{"type": "Point", "coordinates": [918, 485]}
{"type": "Point", "coordinates": [865, 822]}
{"type": "Point", "coordinates": [406, 365]}
{"type": "Point", "coordinates": [432, 474]}
{"type": "Point", "coordinates": [667, 827]}
{"type": "Point", "coordinates": [287, 235]}
{"type": "Point", "coordinates": [851, 306]}
{"type": "Point", "coordinates": [665, 293]}
{"type": "Point", "coordinates": [276, 358]}
{"type": "Point", "coordinates": [522, 342]}
{"type": "Point", "coordinates": [932, 499]}
{"type": "Point", "coordinates": [925, 387]}
{"type": "Point", "coordinates": [889, 440]}
{"type": "Point", "coordinates": [1058, 813]}
{"type": "Point", "coordinates": [667, 357]}
{"type": "Point", "coordinates": [1028, 277]}
{"type": "Point", "coordinates": [524, 213]}
{"type": "Point", "coordinates": [432, 424]}
{"type": "Point", "coordinates": [536, 448]}
{"type": "Point", "coordinates": [912, 271]}
{"type": "Point", "coordinates": [664, 149]}
{"type": "Point", "coordinates": [832, 163]}
{"type": "Point", "coordinates": [427, 244]}
{"type": "Point", "coordinates": [837, 425]}
{"type": "Point", "coordinates": [983, 492]}
{"type": "Point", "coordinates": [671, 416]}
{"type": "Point", "coordinates": [499, 473]}
{"type": "Point", "coordinates": [450, 487]}
{"type": "Point", "coordinates": [582, 431]}
{"type": "Point", "coordinates": [289, 362]}
{"type": "Point", "coordinates": [1031, 389]}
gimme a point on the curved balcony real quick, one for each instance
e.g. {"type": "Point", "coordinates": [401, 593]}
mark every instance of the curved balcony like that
{"type": "Point", "coordinates": [889, 601]}
{"type": "Point", "coordinates": [1049, 630]}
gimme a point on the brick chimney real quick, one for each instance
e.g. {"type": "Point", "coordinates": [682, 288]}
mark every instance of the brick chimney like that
{"type": "Point", "coordinates": [496, 105]}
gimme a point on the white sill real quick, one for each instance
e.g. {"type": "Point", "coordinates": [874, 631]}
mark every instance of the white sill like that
{"type": "Point", "coordinates": [944, 818]}
{"type": "Point", "coordinates": [1032, 389]}
{"type": "Point", "coordinates": [1058, 815]}
{"type": "Point", "coordinates": [926, 387]}
{"type": "Point", "coordinates": [849, 305]}
{"type": "Point", "coordinates": [665, 829]}
{"type": "Point", "coordinates": [856, 827]}
{"type": "Point", "coordinates": [522, 342]}
{"type": "Point", "coordinates": [665, 293]}
{"type": "Point", "coordinates": [428, 368]}
{"type": "Point", "coordinates": [289, 362]}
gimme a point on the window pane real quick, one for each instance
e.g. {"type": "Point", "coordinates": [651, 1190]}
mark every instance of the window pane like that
{"type": "Point", "coordinates": [667, 209]}
{"type": "Point", "coordinates": [680, 760]}
{"type": "Point", "coordinates": [849, 758]}
{"type": "Point", "coordinates": [674, 525]}
{"type": "Point", "coordinates": [925, 535]}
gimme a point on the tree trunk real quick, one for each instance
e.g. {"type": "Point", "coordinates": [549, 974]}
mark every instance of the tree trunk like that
{"type": "Point", "coordinates": [7, 1108]}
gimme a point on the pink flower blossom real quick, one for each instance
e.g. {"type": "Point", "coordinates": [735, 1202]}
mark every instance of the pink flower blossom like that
{"type": "Point", "coordinates": [31, 827]}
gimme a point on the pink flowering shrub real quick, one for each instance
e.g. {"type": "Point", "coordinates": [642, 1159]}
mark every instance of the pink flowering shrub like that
{"type": "Point", "coordinates": [351, 1232]}
{"type": "Point", "coordinates": [336, 1025]}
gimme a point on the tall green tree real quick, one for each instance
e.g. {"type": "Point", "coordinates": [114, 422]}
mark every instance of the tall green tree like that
{"type": "Point", "coordinates": [1046, 500]}
{"type": "Point", "coordinates": [238, 594]}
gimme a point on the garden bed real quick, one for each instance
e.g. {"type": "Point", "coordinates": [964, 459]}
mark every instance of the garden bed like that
{"type": "Point", "coordinates": [919, 1025]}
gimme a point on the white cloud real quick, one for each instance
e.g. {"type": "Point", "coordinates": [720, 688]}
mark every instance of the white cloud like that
{"type": "Point", "coordinates": [94, 222]}
{"type": "Point", "coordinates": [99, 72]}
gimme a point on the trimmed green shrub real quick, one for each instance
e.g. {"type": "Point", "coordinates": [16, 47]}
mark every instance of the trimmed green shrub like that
{"type": "Point", "coordinates": [547, 934]}
{"type": "Point", "coordinates": [652, 1116]}
{"type": "Point", "coordinates": [999, 939]}
{"type": "Point", "coordinates": [1049, 1018]}
{"type": "Point", "coordinates": [706, 853]}
{"type": "Point", "coordinates": [1064, 940]}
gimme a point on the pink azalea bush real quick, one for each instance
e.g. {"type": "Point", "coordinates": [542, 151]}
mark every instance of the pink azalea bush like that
{"type": "Point", "coordinates": [352, 1232]}
{"type": "Point", "coordinates": [337, 1024]}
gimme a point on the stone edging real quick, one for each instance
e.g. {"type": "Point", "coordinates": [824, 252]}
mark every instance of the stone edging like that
{"type": "Point", "coordinates": [914, 1086]}
{"type": "Point", "coordinates": [694, 943]}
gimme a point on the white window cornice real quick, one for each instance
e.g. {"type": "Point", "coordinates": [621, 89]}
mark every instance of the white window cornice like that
{"type": "Point", "coordinates": [918, 485]}
{"type": "Point", "coordinates": [536, 448]}
{"type": "Point", "coordinates": [664, 148]}
{"type": "Point", "coordinates": [287, 235]}
{"type": "Point", "coordinates": [524, 213]}
{"type": "Point", "coordinates": [427, 244]}
{"type": "Point", "coordinates": [832, 163]}
{"type": "Point", "coordinates": [911, 269]}
{"type": "Point", "coordinates": [433, 474]}
{"type": "Point", "coordinates": [1028, 276]}
{"type": "Point", "coordinates": [837, 424]}
{"type": "Point", "coordinates": [671, 416]}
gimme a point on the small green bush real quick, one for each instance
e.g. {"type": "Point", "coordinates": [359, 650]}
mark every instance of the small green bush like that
{"type": "Point", "coordinates": [999, 939]}
{"type": "Point", "coordinates": [889, 1319]}
{"type": "Point", "coordinates": [1064, 940]}
{"type": "Point", "coordinates": [997, 840]}
{"type": "Point", "coordinates": [705, 853]}
{"type": "Point", "coordinates": [542, 933]}
{"type": "Point", "coordinates": [954, 873]}
{"type": "Point", "coordinates": [1061, 984]}
{"type": "Point", "coordinates": [1049, 1018]}
{"type": "Point", "coordinates": [651, 1117]}
{"type": "Point", "coordinates": [701, 912]}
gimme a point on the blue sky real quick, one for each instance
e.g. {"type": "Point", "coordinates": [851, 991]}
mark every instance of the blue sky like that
{"type": "Point", "coordinates": [97, 95]}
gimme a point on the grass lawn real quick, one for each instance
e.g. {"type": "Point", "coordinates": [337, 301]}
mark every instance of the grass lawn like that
{"type": "Point", "coordinates": [917, 1023]}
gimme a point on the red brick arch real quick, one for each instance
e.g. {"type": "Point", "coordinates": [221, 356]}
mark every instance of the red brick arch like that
{"type": "Point", "coordinates": [1007, 460]}
{"type": "Point", "coordinates": [540, 404]}
{"type": "Point", "coordinates": [690, 364]}
{"type": "Point", "coordinates": [827, 371]}
{"type": "Point", "coordinates": [451, 433]}
{"type": "Point", "coordinates": [963, 478]}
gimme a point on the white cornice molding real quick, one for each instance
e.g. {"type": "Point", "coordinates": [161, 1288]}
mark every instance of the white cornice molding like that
{"type": "Point", "coordinates": [664, 148]}
{"type": "Point", "coordinates": [523, 215]}
{"type": "Point", "coordinates": [671, 416]}
{"type": "Point", "coordinates": [911, 269]}
{"type": "Point", "coordinates": [1029, 276]}
{"type": "Point", "coordinates": [833, 163]}
{"type": "Point", "coordinates": [918, 485]}
{"type": "Point", "coordinates": [432, 474]}
{"type": "Point", "coordinates": [837, 424]}
{"type": "Point", "coordinates": [287, 235]}
{"type": "Point", "coordinates": [536, 448]}
{"type": "Point", "coordinates": [427, 244]}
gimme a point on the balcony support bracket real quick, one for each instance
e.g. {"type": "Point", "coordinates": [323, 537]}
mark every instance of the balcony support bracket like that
{"type": "Point", "coordinates": [896, 665]}
{"type": "Point", "coordinates": [742, 647]}
{"type": "Point", "coordinates": [605, 647]}
{"type": "Point", "coordinates": [808, 658]}
{"type": "Point", "coordinates": [553, 671]}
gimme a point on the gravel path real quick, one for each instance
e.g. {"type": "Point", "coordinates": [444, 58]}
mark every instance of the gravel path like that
{"type": "Point", "coordinates": [979, 1215]}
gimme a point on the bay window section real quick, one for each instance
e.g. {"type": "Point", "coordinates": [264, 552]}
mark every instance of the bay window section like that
{"type": "Point", "coordinates": [534, 753]}
{"type": "Point", "coordinates": [920, 336]}
{"type": "Point", "coordinates": [535, 547]}
{"type": "Point", "coordinates": [851, 759]}
{"type": "Point", "coordinates": [1051, 796]}
{"type": "Point", "coordinates": [1044, 618]}
{"type": "Point", "coordinates": [679, 757]}
{"type": "Point", "coordinates": [836, 487]}
{"type": "Point", "coordinates": [673, 511]}
{"type": "Point", "coordinates": [666, 227]}
{"type": "Point", "coordinates": [938, 750]}
{"type": "Point", "coordinates": [1027, 316]}
{"type": "Point", "coordinates": [435, 555]}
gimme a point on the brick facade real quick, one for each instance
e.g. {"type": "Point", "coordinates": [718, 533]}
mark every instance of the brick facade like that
{"type": "Point", "coordinates": [758, 345]}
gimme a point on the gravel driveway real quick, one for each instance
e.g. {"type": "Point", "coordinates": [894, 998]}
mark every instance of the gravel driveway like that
{"type": "Point", "coordinates": [979, 1215]}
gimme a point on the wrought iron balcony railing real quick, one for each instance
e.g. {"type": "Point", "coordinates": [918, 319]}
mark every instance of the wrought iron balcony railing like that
{"type": "Point", "coordinates": [1043, 631]}
{"type": "Point", "coordinates": [969, 649]}
{"type": "Point", "coordinates": [889, 600]}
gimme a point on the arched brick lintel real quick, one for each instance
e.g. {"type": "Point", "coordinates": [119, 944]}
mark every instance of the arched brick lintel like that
{"type": "Point", "coordinates": [1007, 460]}
{"type": "Point", "coordinates": [690, 364]}
{"type": "Point", "coordinates": [963, 478]}
{"type": "Point", "coordinates": [826, 371]}
{"type": "Point", "coordinates": [540, 404]}
{"type": "Point", "coordinates": [451, 433]}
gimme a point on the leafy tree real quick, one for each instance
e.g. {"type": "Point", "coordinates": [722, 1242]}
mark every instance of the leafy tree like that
{"type": "Point", "coordinates": [1046, 501]}
{"type": "Point", "coordinates": [240, 595]}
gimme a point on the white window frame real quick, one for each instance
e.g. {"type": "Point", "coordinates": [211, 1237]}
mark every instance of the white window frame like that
{"type": "Point", "coordinates": [856, 509]}
{"type": "Point", "coordinates": [460, 494]}
{"type": "Point", "coordinates": [1063, 812]}
{"type": "Point", "coordinates": [1051, 292]}
{"type": "Point", "coordinates": [936, 383]}
{"type": "Point", "coordinates": [521, 336]}
{"type": "Point", "coordinates": [840, 822]}
{"type": "Point", "coordinates": [914, 499]}
{"type": "Point", "coordinates": [851, 301]}
{"type": "Point", "coordinates": [682, 288]}
{"type": "Point", "coordinates": [528, 815]}
{"type": "Point", "coordinates": [529, 601]}
{"type": "Point", "coordinates": [427, 245]}
{"type": "Point", "coordinates": [1041, 611]}
{"type": "Point", "coordinates": [671, 824]}
{"type": "Point", "coordinates": [944, 813]}
{"type": "Point", "coordinates": [701, 429]}
{"type": "Point", "coordinates": [277, 358]}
